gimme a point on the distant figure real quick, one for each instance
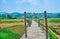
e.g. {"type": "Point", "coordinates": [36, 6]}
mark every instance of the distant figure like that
{"type": "Point", "coordinates": [30, 22]}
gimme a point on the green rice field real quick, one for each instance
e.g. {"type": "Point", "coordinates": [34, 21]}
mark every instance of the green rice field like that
{"type": "Point", "coordinates": [13, 32]}
{"type": "Point", "coordinates": [11, 20]}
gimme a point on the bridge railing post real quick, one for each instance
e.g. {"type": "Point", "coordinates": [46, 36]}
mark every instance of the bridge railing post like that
{"type": "Point", "coordinates": [25, 25]}
{"type": "Point", "coordinates": [30, 22]}
{"type": "Point", "coordinates": [45, 16]}
{"type": "Point", "coordinates": [39, 22]}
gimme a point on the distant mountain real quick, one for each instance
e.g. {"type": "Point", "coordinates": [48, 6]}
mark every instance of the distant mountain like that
{"type": "Point", "coordinates": [1, 13]}
{"type": "Point", "coordinates": [49, 15]}
{"type": "Point", "coordinates": [10, 15]}
{"type": "Point", "coordinates": [15, 15]}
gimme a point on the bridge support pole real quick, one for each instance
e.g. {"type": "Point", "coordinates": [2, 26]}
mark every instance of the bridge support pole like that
{"type": "Point", "coordinates": [45, 16]}
{"type": "Point", "coordinates": [39, 22]}
{"type": "Point", "coordinates": [25, 25]}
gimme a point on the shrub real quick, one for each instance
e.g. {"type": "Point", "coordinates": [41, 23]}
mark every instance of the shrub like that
{"type": "Point", "coordinates": [52, 36]}
{"type": "Point", "coordinates": [8, 34]}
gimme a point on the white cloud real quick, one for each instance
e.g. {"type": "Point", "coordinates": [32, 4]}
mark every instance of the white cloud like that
{"type": "Point", "coordinates": [4, 1]}
{"type": "Point", "coordinates": [32, 2]}
{"type": "Point", "coordinates": [45, 0]}
{"type": "Point", "coordinates": [17, 2]}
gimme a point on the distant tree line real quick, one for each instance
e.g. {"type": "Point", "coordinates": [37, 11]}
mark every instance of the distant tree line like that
{"type": "Point", "coordinates": [8, 16]}
{"type": "Point", "coordinates": [29, 15]}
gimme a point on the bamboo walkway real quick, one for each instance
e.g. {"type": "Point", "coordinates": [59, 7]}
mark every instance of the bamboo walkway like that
{"type": "Point", "coordinates": [34, 32]}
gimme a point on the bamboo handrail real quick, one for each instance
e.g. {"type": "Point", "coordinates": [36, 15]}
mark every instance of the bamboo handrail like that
{"type": "Point", "coordinates": [51, 32]}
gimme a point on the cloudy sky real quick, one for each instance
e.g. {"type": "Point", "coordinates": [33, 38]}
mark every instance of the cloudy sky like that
{"type": "Point", "coordinates": [29, 5]}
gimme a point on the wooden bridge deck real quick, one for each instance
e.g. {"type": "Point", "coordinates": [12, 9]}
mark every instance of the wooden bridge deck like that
{"type": "Point", "coordinates": [34, 32]}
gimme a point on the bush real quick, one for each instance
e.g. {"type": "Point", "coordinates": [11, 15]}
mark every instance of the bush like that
{"type": "Point", "coordinates": [8, 34]}
{"type": "Point", "coordinates": [52, 36]}
{"type": "Point", "coordinates": [52, 28]}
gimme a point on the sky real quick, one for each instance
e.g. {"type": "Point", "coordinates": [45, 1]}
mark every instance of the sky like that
{"type": "Point", "coordinates": [29, 5]}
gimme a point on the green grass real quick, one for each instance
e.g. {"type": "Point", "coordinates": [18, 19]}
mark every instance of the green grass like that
{"type": "Point", "coordinates": [14, 32]}
{"type": "Point", "coordinates": [8, 34]}
{"type": "Point", "coordinates": [54, 30]}
{"type": "Point", "coordinates": [35, 19]}
{"type": "Point", "coordinates": [11, 20]}
{"type": "Point", "coordinates": [54, 20]}
{"type": "Point", "coordinates": [52, 36]}
{"type": "Point", "coordinates": [19, 29]}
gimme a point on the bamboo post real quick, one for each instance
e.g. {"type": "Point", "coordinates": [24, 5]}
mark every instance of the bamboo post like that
{"type": "Point", "coordinates": [29, 22]}
{"type": "Point", "coordinates": [39, 22]}
{"type": "Point", "coordinates": [25, 25]}
{"type": "Point", "coordinates": [46, 24]}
